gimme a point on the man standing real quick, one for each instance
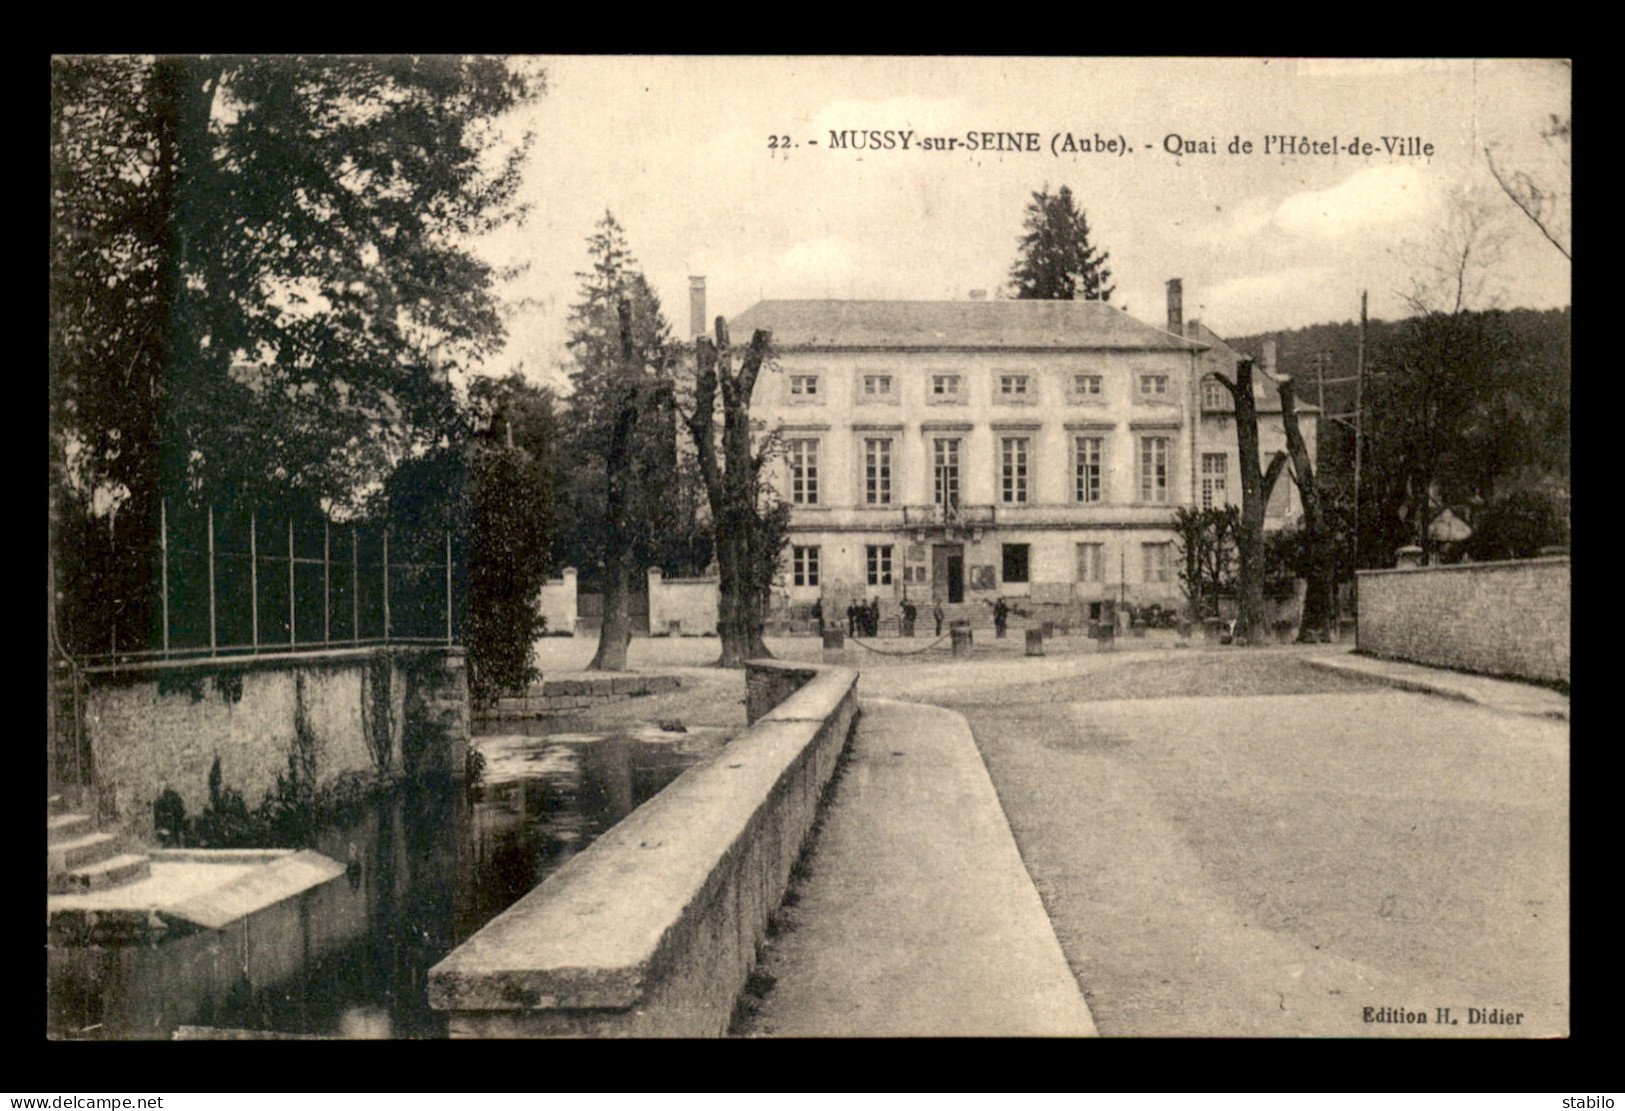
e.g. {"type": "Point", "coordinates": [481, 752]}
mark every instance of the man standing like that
{"type": "Point", "coordinates": [936, 612]}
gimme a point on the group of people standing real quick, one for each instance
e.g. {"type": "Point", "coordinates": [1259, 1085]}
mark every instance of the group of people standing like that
{"type": "Point", "coordinates": [863, 618]}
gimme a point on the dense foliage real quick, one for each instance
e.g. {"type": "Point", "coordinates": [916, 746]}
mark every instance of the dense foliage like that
{"type": "Point", "coordinates": [258, 284]}
{"type": "Point", "coordinates": [662, 492]}
{"type": "Point", "coordinates": [1057, 262]}
{"type": "Point", "coordinates": [1459, 410]}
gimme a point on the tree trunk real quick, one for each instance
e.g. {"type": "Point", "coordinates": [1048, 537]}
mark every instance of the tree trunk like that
{"type": "Point", "coordinates": [1318, 604]}
{"type": "Point", "coordinates": [616, 633]}
{"type": "Point", "coordinates": [1255, 492]}
{"type": "Point", "coordinates": [731, 488]}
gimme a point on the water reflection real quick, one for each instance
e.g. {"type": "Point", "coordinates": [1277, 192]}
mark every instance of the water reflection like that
{"type": "Point", "coordinates": [428, 867]}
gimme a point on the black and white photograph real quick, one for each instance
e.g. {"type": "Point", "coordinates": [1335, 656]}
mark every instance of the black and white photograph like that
{"type": "Point", "coordinates": [761, 547]}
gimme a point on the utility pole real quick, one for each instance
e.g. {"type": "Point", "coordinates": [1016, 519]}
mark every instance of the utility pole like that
{"type": "Point", "coordinates": [1359, 418]}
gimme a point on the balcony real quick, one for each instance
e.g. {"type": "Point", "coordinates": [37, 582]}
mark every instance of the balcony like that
{"type": "Point", "coordinates": [953, 520]}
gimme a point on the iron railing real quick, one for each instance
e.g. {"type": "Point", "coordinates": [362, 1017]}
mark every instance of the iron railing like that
{"type": "Point", "coordinates": [230, 584]}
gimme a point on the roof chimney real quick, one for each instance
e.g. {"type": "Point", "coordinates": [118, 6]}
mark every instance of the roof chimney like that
{"type": "Point", "coordinates": [696, 305]}
{"type": "Point", "coordinates": [1176, 306]}
{"type": "Point", "coordinates": [978, 295]}
{"type": "Point", "coordinates": [1269, 359]}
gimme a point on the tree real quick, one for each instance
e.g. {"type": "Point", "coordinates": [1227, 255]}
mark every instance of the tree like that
{"type": "Point", "coordinates": [1057, 262]}
{"type": "Point", "coordinates": [1459, 405]}
{"type": "Point", "coordinates": [1453, 269]}
{"type": "Point", "coordinates": [624, 488]}
{"type": "Point", "coordinates": [752, 524]}
{"type": "Point", "coordinates": [258, 283]}
{"type": "Point", "coordinates": [493, 487]}
{"type": "Point", "coordinates": [1544, 195]}
{"type": "Point", "coordinates": [1207, 542]}
{"type": "Point", "coordinates": [1256, 487]}
{"type": "Point", "coordinates": [1319, 602]}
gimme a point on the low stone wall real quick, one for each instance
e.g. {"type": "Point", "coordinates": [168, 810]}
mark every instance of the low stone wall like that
{"type": "Point", "coordinates": [652, 930]}
{"type": "Point", "coordinates": [563, 696]}
{"type": "Point", "coordinates": [366, 711]}
{"type": "Point", "coordinates": [686, 607]}
{"type": "Point", "coordinates": [1508, 618]}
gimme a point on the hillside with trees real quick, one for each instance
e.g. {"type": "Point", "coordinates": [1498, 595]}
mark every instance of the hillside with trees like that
{"type": "Point", "coordinates": [1462, 411]}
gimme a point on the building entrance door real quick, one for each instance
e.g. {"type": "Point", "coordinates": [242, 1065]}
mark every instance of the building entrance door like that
{"type": "Point", "coordinates": [948, 570]}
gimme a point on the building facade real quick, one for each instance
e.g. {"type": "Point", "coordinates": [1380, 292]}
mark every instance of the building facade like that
{"type": "Point", "coordinates": [967, 450]}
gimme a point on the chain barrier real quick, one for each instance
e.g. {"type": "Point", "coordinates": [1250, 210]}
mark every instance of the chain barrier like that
{"type": "Point", "coordinates": [883, 652]}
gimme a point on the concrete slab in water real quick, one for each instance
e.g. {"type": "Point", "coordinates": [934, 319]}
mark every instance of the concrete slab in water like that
{"type": "Point", "coordinates": [210, 888]}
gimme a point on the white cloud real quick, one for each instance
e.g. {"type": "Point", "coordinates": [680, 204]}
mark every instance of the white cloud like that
{"type": "Point", "coordinates": [1378, 196]}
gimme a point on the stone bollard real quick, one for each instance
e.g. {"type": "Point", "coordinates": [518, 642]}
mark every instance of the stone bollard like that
{"type": "Point", "coordinates": [1106, 634]}
{"type": "Point", "coordinates": [834, 645]}
{"type": "Point", "coordinates": [961, 641]}
{"type": "Point", "coordinates": [1035, 642]}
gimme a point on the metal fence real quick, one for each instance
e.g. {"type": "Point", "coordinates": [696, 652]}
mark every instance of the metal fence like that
{"type": "Point", "coordinates": [230, 582]}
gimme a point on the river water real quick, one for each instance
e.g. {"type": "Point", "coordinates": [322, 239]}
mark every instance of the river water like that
{"type": "Point", "coordinates": [428, 867]}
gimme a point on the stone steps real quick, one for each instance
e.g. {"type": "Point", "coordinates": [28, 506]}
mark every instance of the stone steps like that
{"type": "Point", "coordinates": [67, 827]}
{"type": "Point", "coordinates": [79, 859]}
{"type": "Point", "coordinates": [112, 872]}
{"type": "Point", "coordinates": [65, 856]}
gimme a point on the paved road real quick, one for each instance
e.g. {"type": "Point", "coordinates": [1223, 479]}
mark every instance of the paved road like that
{"type": "Point", "coordinates": [1276, 864]}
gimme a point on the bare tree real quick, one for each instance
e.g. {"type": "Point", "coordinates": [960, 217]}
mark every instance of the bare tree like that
{"type": "Point", "coordinates": [1544, 197]}
{"type": "Point", "coordinates": [1256, 486]}
{"type": "Point", "coordinates": [1318, 607]}
{"type": "Point", "coordinates": [1454, 267]}
{"type": "Point", "coordinates": [620, 556]}
{"type": "Point", "coordinates": [749, 521]}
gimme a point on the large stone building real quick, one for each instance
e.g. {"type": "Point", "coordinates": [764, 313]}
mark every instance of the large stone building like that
{"type": "Point", "coordinates": [965, 450]}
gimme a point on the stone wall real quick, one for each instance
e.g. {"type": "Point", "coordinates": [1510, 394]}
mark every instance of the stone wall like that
{"type": "Point", "coordinates": [1506, 618]}
{"type": "Point", "coordinates": [563, 696]}
{"type": "Point", "coordinates": [652, 930]}
{"type": "Point", "coordinates": [351, 712]}
{"type": "Point", "coordinates": [558, 603]}
{"type": "Point", "coordinates": [687, 607]}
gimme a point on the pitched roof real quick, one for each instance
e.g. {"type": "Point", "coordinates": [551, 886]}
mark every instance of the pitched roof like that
{"type": "Point", "coordinates": [1013, 325]}
{"type": "Point", "coordinates": [1220, 356]}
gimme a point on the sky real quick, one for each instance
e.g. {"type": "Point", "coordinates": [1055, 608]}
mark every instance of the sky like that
{"type": "Point", "coordinates": [688, 154]}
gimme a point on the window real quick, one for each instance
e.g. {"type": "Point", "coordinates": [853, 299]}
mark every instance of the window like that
{"type": "Point", "coordinates": [1154, 469]}
{"type": "Point", "coordinates": [1091, 563]}
{"type": "Point", "coordinates": [877, 385]}
{"type": "Point", "coordinates": [1013, 472]}
{"type": "Point", "coordinates": [1086, 385]}
{"type": "Point", "coordinates": [1214, 472]}
{"type": "Point", "coordinates": [1158, 560]}
{"type": "Point", "coordinates": [1154, 387]}
{"type": "Point", "coordinates": [1015, 563]}
{"type": "Point", "coordinates": [1013, 385]}
{"type": "Point", "coordinates": [803, 385]}
{"type": "Point", "coordinates": [803, 472]}
{"type": "Point", "coordinates": [879, 564]}
{"type": "Point", "coordinates": [804, 565]}
{"type": "Point", "coordinates": [946, 458]}
{"type": "Point", "coordinates": [1086, 486]}
{"type": "Point", "coordinates": [944, 387]}
{"type": "Point", "coordinates": [877, 472]}
{"type": "Point", "coordinates": [1214, 395]}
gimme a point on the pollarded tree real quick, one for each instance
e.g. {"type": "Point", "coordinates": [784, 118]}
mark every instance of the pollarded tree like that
{"type": "Point", "coordinates": [622, 491]}
{"type": "Point", "coordinates": [1057, 261]}
{"type": "Point", "coordinates": [1256, 486]}
{"type": "Point", "coordinates": [751, 521]}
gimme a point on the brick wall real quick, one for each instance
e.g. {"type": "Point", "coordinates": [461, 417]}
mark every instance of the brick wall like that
{"type": "Point", "coordinates": [1506, 618]}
